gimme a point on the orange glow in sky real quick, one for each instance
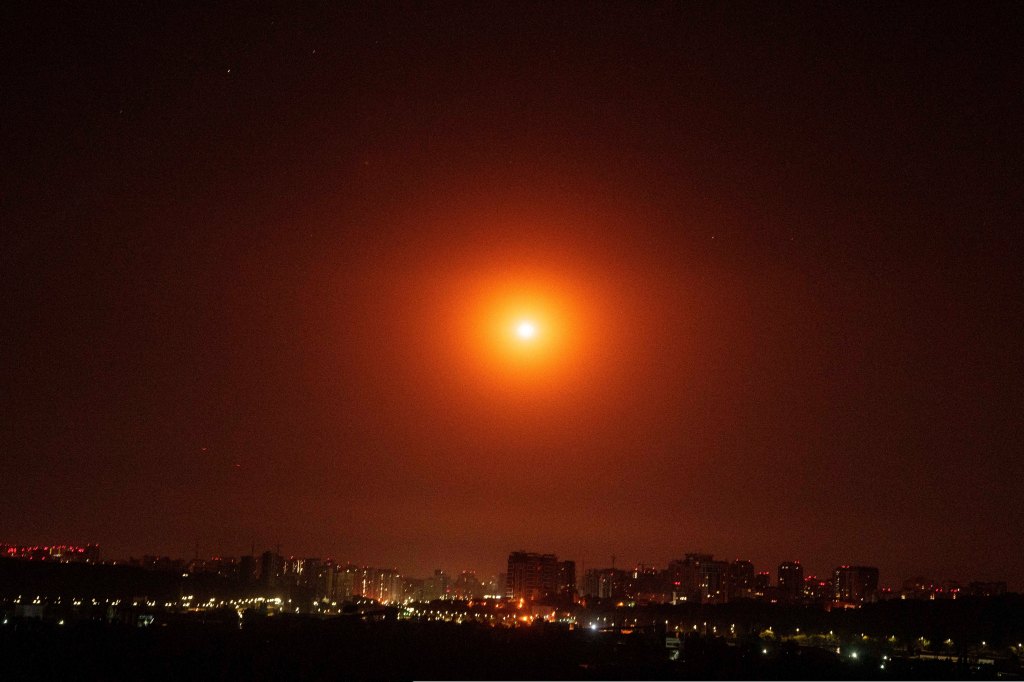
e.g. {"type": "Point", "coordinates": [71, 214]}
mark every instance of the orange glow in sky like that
{"type": "Point", "coordinates": [527, 330]}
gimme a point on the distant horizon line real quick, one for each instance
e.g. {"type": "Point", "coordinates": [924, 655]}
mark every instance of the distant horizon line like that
{"type": "Point", "coordinates": [4, 546]}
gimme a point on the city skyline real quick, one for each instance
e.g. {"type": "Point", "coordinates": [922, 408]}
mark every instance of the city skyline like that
{"type": "Point", "coordinates": [91, 553]}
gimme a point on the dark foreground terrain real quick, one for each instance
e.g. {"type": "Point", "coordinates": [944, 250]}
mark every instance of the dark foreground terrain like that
{"type": "Point", "coordinates": [289, 647]}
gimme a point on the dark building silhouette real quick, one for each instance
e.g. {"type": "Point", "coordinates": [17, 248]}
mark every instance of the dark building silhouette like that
{"type": "Point", "coordinates": [646, 584]}
{"type": "Point", "coordinates": [533, 576]}
{"type": "Point", "coordinates": [818, 590]}
{"type": "Point", "coordinates": [699, 577]}
{"type": "Point", "coordinates": [855, 583]}
{"type": "Point", "coordinates": [762, 583]}
{"type": "Point", "coordinates": [791, 580]}
{"type": "Point", "coordinates": [685, 575]}
{"type": "Point", "coordinates": [467, 586]}
{"type": "Point", "coordinates": [247, 570]}
{"type": "Point", "coordinates": [566, 586]}
{"type": "Point", "coordinates": [605, 583]}
{"type": "Point", "coordinates": [271, 569]}
{"type": "Point", "coordinates": [438, 585]}
{"type": "Point", "coordinates": [989, 589]}
{"type": "Point", "coordinates": [741, 579]}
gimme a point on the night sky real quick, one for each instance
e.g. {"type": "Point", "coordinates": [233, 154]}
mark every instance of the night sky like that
{"type": "Point", "coordinates": [258, 267]}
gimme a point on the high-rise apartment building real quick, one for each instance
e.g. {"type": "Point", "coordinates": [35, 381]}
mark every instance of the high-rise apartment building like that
{"type": "Point", "coordinates": [466, 586]}
{"type": "Point", "coordinates": [271, 569]}
{"type": "Point", "coordinates": [741, 579]}
{"type": "Point", "coordinates": [383, 584]}
{"type": "Point", "coordinates": [791, 580]}
{"type": "Point", "coordinates": [532, 576]}
{"type": "Point", "coordinates": [565, 585]}
{"type": "Point", "coordinates": [762, 583]}
{"type": "Point", "coordinates": [605, 583]}
{"type": "Point", "coordinates": [699, 577]}
{"type": "Point", "coordinates": [855, 583]}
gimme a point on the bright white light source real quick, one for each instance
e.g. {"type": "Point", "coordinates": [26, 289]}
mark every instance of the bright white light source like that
{"type": "Point", "coordinates": [526, 330]}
